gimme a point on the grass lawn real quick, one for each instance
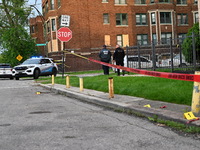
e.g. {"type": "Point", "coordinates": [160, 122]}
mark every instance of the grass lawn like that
{"type": "Point", "coordinates": [161, 89]}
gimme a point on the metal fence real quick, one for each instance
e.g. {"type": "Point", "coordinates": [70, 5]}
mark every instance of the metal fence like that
{"type": "Point", "coordinates": [170, 56]}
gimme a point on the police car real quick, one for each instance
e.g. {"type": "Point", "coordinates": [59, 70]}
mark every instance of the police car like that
{"type": "Point", "coordinates": [5, 71]}
{"type": "Point", "coordinates": [35, 67]}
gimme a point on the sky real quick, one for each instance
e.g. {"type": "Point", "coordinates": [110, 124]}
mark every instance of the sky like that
{"type": "Point", "coordinates": [38, 5]}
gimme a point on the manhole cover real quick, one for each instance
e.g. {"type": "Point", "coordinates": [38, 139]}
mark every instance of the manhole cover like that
{"type": "Point", "coordinates": [40, 112]}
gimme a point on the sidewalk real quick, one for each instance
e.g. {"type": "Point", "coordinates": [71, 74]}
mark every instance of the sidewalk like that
{"type": "Point", "coordinates": [173, 112]}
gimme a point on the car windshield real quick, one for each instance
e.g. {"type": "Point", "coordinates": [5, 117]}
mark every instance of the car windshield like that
{"type": "Point", "coordinates": [31, 61]}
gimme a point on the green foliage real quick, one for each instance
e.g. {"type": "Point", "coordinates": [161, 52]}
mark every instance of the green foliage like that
{"type": "Point", "coordinates": [14, 38]}
{"type": "Point", "coordinates": [188, 43]}
{"type": "Point", "coordinates": [17, 42]}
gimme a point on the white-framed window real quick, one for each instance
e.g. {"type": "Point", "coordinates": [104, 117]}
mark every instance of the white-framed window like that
{"type": "Point", "coordinates": [165, 38]}
{"type": "Point", "coordinates": [141, 19]}
{"type": "Point", "coordinates": [123, 40]}
{"type": "Point", "coordinates": [196, 17]}
{"type": "Point", "coordinates": [104, 1]}
{"type": "Point", "coordinates": [181, 2]}
{"type": "Point", "coordinates": [53, 24]}
{"type": "Point", "coordinates": [140, 1]}
{"type": "Point", "coordinates": [52, 5]}
{"type": "Point", "coordinates": [195, 1]}
{"type": "Point", "coordinates": [142, 39]}
{"type": "Point", "coordinates": [59, 3]}
{"type": "Point", "coordinates": [106, 18]}
{"type": "Point", "coordinates": [153, 18]}
{"type": "Point", "coordinates": [165, 17]}
{"type": "Point", "coordinates": [121, 19]}
{"type": "Point", "coordinates": [120, 1]}
{"type": "Point", "coordinates": [182, 19]}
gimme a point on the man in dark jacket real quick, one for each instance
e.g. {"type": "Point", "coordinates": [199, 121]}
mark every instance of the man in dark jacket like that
{"type": "Point", "coordinates": [118, 57]}
{"type": "Point", "coordinates": [105, 56]}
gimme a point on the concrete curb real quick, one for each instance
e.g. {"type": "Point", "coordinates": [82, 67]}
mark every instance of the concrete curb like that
{"type": "Point", "coordinates": [143, 111]}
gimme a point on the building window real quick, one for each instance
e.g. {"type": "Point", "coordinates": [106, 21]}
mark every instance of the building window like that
{"type": "Point", "coordinates": [181, 37]}
{"type": "Point", "coordinates": [196, 17]}
{"type": "Point", "coordinates": [141, 19]}
{"type": "Point", "coordinates": [195, 1]}
{"type": "Point", "coordinates": [53, 24]}
{"type": "Point", "coordinates": [153, 18]}
{"type": "Point", "coordinates": [123, 40]}
{"type": "Point", "coordinates": [106, 18]}
{"type": "Point", "coordinates": [121, 19]}
{"type": "Point", "coordinates": [107, 40]}
{"type": "Point", "coordinates": [32, 29]}
{"type": "Point", "coordinates": [140, 1]}
{"type": "Point", "coordinates": [154, 38]}
{"type": "Point", "coordinates": [181, 2]}
{"type": "Point", "coordinates": [152, 1]}
{"type": "Point", "coordinates": [165, 38]}
{"type": "Point", "coordinates": [119, 40]}
{"type": "Point", "coordinates": [58, 3]}
{"type": "Point", "coordinates": [48, 26]}
{"type": "Point", "coordinates": [142, 39]}
{"type": "Point", "coordinates": [120, 1]}
{"type": "Point", "coordinates": [52, 4]}
{"type": "Point", "coordinates": [165, 17]}
{"type": "Point", "coordinates": [104, 1]}
{"type": "Point", "coordinates": [43, 10]}
{"type": "Point", "coordinates": [182, 19]}
{"type": "Point", "coordinates": [164, 1]}
{"type": "Point", "coordinates": [46, 7]}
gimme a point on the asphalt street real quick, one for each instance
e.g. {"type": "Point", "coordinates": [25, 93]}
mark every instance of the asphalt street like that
{"type": "Point", "coordinates": [50, 121]}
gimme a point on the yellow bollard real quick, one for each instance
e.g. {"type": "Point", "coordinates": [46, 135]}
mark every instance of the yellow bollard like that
{"type": "Point", "coordinates": [53, 80]}
{"type": "Point", "coordinates": [110, 87]}
{"type": "Point", "coordinates": [195, 108]}
{"type": "Point", "coordinates": [67, 82]}
{"type": "Point", "coordinates": [81, 84]}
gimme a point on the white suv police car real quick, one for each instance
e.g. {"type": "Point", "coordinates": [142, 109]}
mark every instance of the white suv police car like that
{"type": "Point", "coordinates": [35, 67]}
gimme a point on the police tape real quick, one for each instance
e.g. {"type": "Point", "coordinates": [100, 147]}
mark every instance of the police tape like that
{"type": "Point", "coordinates": [176, 76]}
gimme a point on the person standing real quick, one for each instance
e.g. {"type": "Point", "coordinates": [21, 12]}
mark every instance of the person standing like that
{"type": "Point", "coordinates": [105, 56]}
{"type": "Point", "coordinates": [118, 57]}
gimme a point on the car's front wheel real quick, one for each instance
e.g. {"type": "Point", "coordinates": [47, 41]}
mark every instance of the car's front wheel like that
{"type": "Point", "coordinates": [36, 74]}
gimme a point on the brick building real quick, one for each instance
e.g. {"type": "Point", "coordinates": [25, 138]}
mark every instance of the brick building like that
{"type": "Point", "coordinates": [36, 30]}
{"type": "Point", "coordinates": [126, 22]}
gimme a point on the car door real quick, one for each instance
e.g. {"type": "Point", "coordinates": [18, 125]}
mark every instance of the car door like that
{"type": "Point", "coordinates": [46, 67]}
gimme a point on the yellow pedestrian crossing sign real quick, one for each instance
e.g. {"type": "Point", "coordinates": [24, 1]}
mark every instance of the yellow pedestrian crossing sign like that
{"type": "Point", "coordinates": [19, 57]}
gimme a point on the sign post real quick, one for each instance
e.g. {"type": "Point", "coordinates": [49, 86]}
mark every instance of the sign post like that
{"type": "Point", "coordinates": [64, 34]}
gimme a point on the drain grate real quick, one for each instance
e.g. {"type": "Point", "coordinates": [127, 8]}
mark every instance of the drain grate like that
{"type": "Point", "coordinates": [69, 137]}
{"type": "Point", "coordinates": [5, 125]}
{"type": "Point", "coordinates": [40, 112]}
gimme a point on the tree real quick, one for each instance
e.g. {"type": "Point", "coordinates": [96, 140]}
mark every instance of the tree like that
{"type": "Point", "coordinates": [187, 45]}
{"type": "Point", "coordinates": [14, 38]}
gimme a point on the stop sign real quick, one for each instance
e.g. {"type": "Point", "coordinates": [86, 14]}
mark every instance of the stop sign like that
{"type": "Point", "coordinates": [64, 34]}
